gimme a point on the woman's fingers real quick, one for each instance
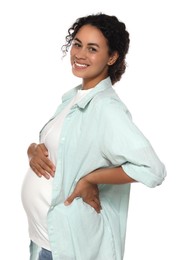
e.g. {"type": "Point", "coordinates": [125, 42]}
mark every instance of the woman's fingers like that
{"type": "Point", "coordinates": [95, 203]}
{"type": "Point", "coordinates": [40, 163]}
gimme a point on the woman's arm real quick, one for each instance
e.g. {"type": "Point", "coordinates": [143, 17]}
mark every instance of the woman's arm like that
{"type": "Point", "coordinates": [109, 176]}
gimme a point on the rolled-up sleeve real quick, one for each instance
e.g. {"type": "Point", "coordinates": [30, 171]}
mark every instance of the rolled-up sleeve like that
{"type": "Point", "coordinates": [124, 144]}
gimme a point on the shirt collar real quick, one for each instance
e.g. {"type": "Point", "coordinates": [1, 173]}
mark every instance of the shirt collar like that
{"type": "Point", "coordinates": [101, 86]}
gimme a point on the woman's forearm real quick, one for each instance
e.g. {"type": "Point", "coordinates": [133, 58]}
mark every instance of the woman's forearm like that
{"type": "Point", "coordinates": [109, 176]}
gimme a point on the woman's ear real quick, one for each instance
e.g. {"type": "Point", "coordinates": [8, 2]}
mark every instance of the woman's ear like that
{"type": "Point", "coordinates": [113, 58]}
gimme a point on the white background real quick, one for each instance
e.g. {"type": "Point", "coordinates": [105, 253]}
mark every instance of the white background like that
{"type": "Point", "coordinates": [33, 78]}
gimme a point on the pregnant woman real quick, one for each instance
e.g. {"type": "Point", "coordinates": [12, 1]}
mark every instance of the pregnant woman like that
{"type": "Point", "coordinates": [76, 192]}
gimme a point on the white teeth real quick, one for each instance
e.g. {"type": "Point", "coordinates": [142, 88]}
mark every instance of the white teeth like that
{"type": "Point", "coordinates": [80, 65]}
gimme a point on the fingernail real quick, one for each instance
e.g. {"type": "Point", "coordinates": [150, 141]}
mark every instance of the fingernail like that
{"type": "Point", "coordinates": [66, 203]}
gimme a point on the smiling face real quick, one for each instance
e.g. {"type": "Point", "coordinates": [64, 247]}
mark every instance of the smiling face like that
{"type": "Point", "coordinates": [89, 56]}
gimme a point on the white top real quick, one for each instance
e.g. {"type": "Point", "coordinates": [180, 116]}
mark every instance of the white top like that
{"type": "Point", "coordinates": [36, 191]}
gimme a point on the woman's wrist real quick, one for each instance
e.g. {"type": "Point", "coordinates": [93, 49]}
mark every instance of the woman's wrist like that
{"type": "Point", "coordinates": [93, 177]}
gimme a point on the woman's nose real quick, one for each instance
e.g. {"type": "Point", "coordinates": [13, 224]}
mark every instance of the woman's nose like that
{"type": "Point", "coordinates": [81, 54]}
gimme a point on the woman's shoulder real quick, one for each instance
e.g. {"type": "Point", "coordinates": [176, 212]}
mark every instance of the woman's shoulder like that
{"type": "Point", "coordinates": [109, 101]}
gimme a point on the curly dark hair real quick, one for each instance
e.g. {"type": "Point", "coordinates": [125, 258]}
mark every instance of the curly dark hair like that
{"type": "Point", "coordinates": [117, 38]}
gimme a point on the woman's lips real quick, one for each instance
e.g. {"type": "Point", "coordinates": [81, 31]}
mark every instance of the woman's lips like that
{"type": "Point", "coordinates": [79, 65]}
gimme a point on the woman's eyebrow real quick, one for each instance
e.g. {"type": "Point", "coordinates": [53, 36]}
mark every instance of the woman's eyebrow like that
{"type": "Point", "coordinates": [76, 39]}
{"type": "Point", "coordinates": [90, 44]}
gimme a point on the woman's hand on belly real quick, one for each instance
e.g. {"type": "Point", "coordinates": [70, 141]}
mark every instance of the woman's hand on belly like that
{"type": "Point", "coordinates": [39, 161]}
{"type": "Point", "coordinates": [88, 192]}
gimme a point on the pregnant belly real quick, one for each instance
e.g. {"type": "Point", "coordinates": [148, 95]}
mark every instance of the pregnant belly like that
{"type": "Point", "coordinates": [36, 192]}
{"type": "Point", "coordinates": [36, 199]}
{"type": "Point", "coordinates": [36, 196]}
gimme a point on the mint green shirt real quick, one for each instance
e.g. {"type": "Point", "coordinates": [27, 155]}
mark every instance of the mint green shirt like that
{"type": "Point", "coordinates": [97, 133]}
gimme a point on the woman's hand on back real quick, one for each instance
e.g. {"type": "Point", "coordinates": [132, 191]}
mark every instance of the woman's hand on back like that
{"type": "Point", "coordinates": [88, 191]}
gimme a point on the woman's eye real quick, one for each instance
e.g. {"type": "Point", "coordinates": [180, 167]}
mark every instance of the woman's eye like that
{"type": "Point", "coordinates": [91, 49]}
{"type": "Point", "coordinates": [76, 44]}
